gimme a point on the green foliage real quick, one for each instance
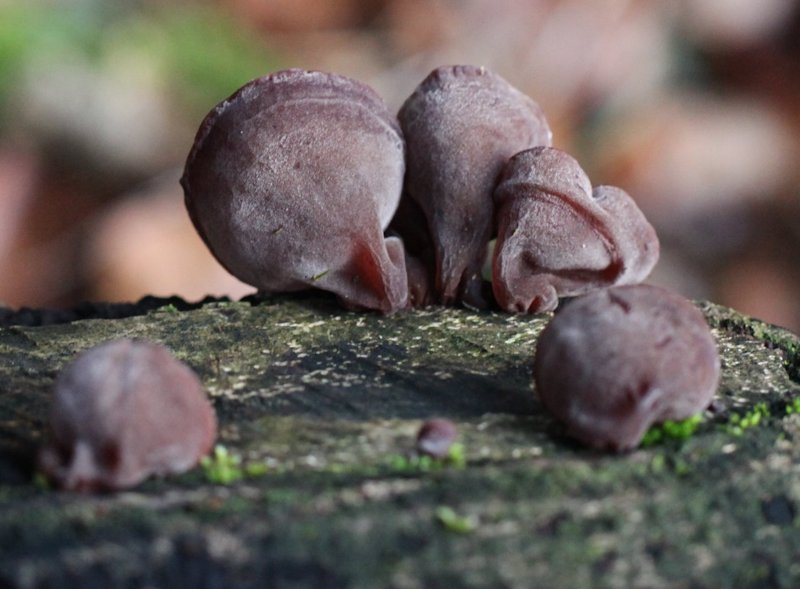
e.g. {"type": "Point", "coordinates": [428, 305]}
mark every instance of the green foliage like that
{"type": "Point", "coordinates": [199, 51]}
{"type": "Point", "coordinates": [204, 53]}
{"type": "Point", "coordinates": [674, 430]}
{"type": "Point", "coordinates": [33, 31]}
{"type": "Point", "coordinates": [454, 522]}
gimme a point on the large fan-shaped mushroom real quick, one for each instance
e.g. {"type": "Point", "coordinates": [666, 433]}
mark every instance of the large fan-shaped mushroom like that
{"type": "Point", "coordinates": [291, 183]}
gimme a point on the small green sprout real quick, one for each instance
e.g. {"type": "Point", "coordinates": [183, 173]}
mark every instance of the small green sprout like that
{"type": "Point", "coordinates": [793, 406]}
{"type": "Point", "coordinates": [738, 423]}
{"type": "Point", "coordinates": [222, 467]}
{"type": "Point", "coordinates": [170, 308]}
{"type": "Point", "coordinates": [675, 430]}
{"type": "Point", "coordinates": [453, 522]}
{"type": "Point", "coordinates": [455, 458]}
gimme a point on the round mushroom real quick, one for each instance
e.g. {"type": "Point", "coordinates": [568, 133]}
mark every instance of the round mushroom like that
{"type": "Point", "coordinates": [291, 182]}
{"type": "Point", "coordinates": [618, 360]}
{"type": "Point", "coordinates": [121, 412]}
{"type": "Point", "coordinates": [435, 437]}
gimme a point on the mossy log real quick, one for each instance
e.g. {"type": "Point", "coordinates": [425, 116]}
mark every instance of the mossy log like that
{"type": "Point", "coordinates": [321, 406]}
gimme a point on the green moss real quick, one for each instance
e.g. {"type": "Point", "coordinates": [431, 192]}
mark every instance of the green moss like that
{"type": "Point", "coordinates": [772, 335]}
{"type": "Point", "coordinates": [671, 430]}
{"type": "Point", "coordinates": [422, 463]}
{"type": "Point", "coordinates": [312, 401]}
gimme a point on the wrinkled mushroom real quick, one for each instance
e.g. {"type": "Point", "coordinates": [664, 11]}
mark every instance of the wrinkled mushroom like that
{"type": "Point", "coordinates": [291, 182]}
{"type": "Point", "coordinates": [461, 125]}
{"type": "Point", "coordinates": [559, 237]}
{"type": "Point", "coordinates": [121, 412]}
{"type": "Point", "coordinates": [616, 361]}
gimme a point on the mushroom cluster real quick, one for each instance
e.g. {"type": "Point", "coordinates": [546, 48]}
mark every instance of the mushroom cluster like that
{"type": "Point", "coordinates": [305, 180]}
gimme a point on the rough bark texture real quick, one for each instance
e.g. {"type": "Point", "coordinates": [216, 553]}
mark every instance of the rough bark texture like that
{"type": "Point", "coordinates": [327, 400]}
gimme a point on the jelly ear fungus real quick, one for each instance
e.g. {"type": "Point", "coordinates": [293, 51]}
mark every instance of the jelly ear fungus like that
{"type": "Point", "coordinates": [123, 411]}
{"type": "Point", "coordinates": [291, 182]}
{"type": "Point", "coordinates": [615, 361]}
{"type": "Point", "coordinates": [461, 125]}
{"type": "Point", "coordinates": [559, 237]}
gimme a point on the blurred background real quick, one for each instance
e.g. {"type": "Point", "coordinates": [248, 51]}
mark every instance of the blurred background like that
{"type": "Point", "coordinates": [692, 106]}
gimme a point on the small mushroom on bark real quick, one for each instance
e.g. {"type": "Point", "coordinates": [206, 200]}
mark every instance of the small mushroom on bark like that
{"type": "Point", "coordinates": [559, 237]}
{"type": "Point", "coordinates": [121, 412]}
{"type": "Point", "coordinates": [291, 182]}
{"type": "Point", "coordinates": [616, 361]}
{"type": "Point", "coordinates": [461, 125]}
{"type": "Point", "coordinates": [435, 438]}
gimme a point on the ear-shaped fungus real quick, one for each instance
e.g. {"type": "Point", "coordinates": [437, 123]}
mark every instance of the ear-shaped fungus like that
{"type": "Point", "coordinates": [558, 237]}
{"type": "Point", "coordinates": [291, 182]}
{"type": "Point", "coordinates": [123, 411]}
{"type": "Point", "coordinates": [617, 360]}
{"type": "Point", "coordinates": [461, 125]}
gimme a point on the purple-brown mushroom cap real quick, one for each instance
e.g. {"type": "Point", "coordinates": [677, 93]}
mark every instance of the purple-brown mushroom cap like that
{"type": "Point", "coordinates": [291, 183]}
{"type": "Point", "coordinates": [559, 237]}
{"type": "Point", "coordinates": [435, 437]}
{"type": "Point", "coordinates": [121, 412]}
{"type": "Point", "coordinates": [618, 360]}
{"type": "Point", "coordinates": [461, 125]}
